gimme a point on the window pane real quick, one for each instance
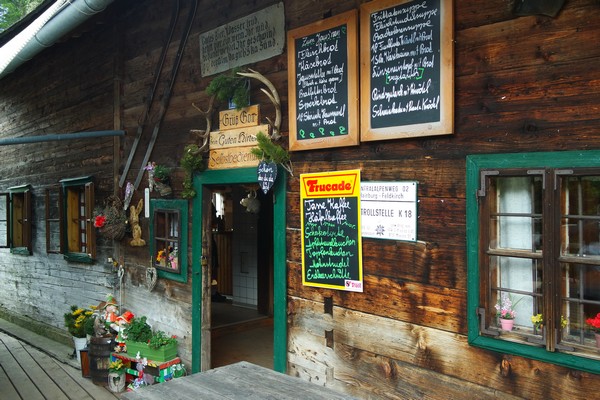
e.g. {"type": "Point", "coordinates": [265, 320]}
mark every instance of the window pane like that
{"type": "Point", "coordinates": [580, 216]}
{"type": "Point", "coordinates": [166, 240]}
{"type": "Point", "coordinates": [581, 300]}
{"type": "Point", "coordinates": [521, 279]}
{"type": "Point", "coordinates": [516, 218]}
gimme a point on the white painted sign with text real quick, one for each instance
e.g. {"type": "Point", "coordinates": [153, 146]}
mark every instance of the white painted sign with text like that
{"type": "Point", "coordinates": [388, 210]}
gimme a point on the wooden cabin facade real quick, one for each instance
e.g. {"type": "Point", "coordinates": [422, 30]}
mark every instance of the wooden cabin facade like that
{"type": "Point", "coordinates": [520, 144]}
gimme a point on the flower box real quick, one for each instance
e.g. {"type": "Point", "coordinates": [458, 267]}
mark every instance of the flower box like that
{"type": "Point", "coordinates": [164, 353]}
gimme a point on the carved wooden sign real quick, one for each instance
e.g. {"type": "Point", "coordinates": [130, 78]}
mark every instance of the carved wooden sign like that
{"type": "Point", "coordinates": [255, 37]}
{"type": "Point", "coordinates": [230, 147]}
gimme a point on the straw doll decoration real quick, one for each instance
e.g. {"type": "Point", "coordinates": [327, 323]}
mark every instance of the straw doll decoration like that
{"type": "Point", "coordinates": [136, 229]}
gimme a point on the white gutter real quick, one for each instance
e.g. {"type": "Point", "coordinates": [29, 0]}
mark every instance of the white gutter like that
{"type": "Point", "coordinates": [58, 20]}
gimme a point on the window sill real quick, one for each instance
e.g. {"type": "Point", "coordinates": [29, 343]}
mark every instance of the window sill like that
{"type": "Point", "coordinates": [79, 257]}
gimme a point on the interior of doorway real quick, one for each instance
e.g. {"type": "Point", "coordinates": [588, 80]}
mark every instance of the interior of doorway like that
{"type": "Point", "coordinates": [242, 277]}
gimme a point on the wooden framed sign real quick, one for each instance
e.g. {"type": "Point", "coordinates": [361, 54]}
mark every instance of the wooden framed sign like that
{"type": "Point", "coordinates": [331, 239]}
{"type": "Point", "coordinates": [407, 70]}
{"type": "Point", "coordinates": [323, 83]}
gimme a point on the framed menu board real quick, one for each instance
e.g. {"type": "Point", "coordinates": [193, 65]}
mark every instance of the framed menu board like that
{"type": "Point", "coordinates": [323, 83]}
{"type": "Point", "coordinates": [407, 70]}
{"type": "Point", "coordinates": [331, 236]}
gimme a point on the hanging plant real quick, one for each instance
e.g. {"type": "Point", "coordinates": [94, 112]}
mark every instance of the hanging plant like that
{"type": "Point", "coordinates": [271, 152]}
{"type": "Point", "coordinates": [191, 161]}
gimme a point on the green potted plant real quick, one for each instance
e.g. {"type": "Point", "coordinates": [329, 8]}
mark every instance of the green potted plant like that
{"type": "Point", "coordinates": [153, 345]}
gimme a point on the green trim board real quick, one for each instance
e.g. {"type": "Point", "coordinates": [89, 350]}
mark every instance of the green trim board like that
{"type": "Point", "coordinates": [236, 176]}
{"type": "Point", "coordinates": [475, 163]}
{"type": "Point", "coordinates": [182, 207]}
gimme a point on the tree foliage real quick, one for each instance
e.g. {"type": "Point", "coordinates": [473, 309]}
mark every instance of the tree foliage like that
{"type": "Point", "coordinates": [11, 11]}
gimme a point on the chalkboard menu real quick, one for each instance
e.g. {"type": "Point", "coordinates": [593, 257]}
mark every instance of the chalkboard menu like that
{"type": "Point", "coordinates": [331, 239]}
{"type": "Point", "coordinates": [323, 83]}
{"type": "Point", "coordinates": [407, 82]}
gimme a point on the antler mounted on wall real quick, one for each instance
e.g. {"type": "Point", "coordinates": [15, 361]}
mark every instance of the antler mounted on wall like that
{"type": "Point", "coordinates": [273, 96]}
{"type": "Point", "coordinates": [204, 135]}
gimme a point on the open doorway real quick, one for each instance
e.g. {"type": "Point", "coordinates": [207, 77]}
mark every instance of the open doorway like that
{"type": "Point", "coordinates": [204, 185]}
{"type": "Point", "coordinates": [242, 275]}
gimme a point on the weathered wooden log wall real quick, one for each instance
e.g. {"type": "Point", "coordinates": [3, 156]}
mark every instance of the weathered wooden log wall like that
{"type": "Point", "coordinates": [65, 90]}
{"type": "Point", "coordinates": [521, 84]}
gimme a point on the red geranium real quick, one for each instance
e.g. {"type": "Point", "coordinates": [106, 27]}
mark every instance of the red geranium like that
{"type": "Point", "coordinates": [99, 221]}
{"type": "Point", "coordinates": [594, 323]}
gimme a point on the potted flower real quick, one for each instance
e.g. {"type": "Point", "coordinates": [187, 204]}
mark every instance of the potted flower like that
{"type": "Point", "coordinates": [159, 177]}
{"type": "Point", "coordinates": [75, 322]}
{"type": "Point", "coordinates": [116, 376]}
{"type": "Point", "coordinates": [594, 323]}
{"type": "Point", "coordinates": [505, 312]}
{"type": "Point", "coordinates": [153, 345]}
{"type": "Point", "coordinates": [161, 258]}
{"type": "Point", "coordinates": [538, 322]}
{"type": "Point", "coordinates": [173, 258]}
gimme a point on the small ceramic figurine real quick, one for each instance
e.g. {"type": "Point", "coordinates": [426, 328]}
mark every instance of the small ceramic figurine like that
{"type": "Point", "coordinates": [134, 221]}
{"type": "Point", "coordinates": [110, 310]}
{"type": "Point", "coordinates": [119, 327]}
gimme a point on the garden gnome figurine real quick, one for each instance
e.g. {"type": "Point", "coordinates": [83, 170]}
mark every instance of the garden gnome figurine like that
{"type": "Point", "coordinates": [134, 221]}
{"type": "Point", "coordinates": [110, 310]}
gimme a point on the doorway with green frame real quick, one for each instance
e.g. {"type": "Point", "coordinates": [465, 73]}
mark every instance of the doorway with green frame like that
{"type": "Point", "coordinates": [205, 184]}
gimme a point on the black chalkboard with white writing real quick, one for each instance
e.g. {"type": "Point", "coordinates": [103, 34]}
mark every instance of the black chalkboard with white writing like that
{"type": "Point", "coordinates": [407, 80]}
{"type": "Point", "coordinates": [331, 254]}
{"type": "Point", "coordinates": [405, 64]}
{"type": "Point", "coordinates": [323, 83]}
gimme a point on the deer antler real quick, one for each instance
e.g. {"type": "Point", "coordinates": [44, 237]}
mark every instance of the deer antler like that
{"type": "Point", "coordinates": [273, 96]}
{"type": "Point", "coordinates": [204, 135]}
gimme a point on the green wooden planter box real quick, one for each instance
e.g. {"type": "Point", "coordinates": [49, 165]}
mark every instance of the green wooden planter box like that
{"type": "Point", "coordinates": [164, 353]}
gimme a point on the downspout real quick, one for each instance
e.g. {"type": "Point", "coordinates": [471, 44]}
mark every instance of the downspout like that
{"type": "Point", "coordinates": [60, 18]}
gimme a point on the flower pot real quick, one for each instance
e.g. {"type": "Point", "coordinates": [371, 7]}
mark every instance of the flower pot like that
{"type": "Point", "coordinates": [116, 381]}
{"type": "Point", "coordinates": [164, 353]}
{"type": "Point", "coordinates": [79, 343]}
{"type": "Point", "coordinates": [506, 324]}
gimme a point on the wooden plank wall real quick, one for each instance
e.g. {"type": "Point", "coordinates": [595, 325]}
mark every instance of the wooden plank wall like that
{"type": "Point", "coordinates": [521, 84]}
{"type": "Point", "coordinates": [64, 91]}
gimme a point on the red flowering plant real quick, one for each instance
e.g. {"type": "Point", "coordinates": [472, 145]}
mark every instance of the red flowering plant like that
{"type": "Point", "coordinates": [594, 323]}
{"type": "Point", "coordinates": [111, 220]}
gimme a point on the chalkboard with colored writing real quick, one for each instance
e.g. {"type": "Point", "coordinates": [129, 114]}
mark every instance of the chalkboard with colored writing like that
{"type": "Point", "coordinates": [407, 70]}
{"type": "Point", "coordinates": [323, 83]}
{"type": "Point", "coordinates": [331, 238]}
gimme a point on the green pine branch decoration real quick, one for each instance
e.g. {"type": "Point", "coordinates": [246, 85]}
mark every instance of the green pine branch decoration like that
{"type": "Point", "coordinates": [230, 86]}
{"type": "Point", "coordinates": [191, 161]}
{"type": "Point", "coordinates": [271, 152]}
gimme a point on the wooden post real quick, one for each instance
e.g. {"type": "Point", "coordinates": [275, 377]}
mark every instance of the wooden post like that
{"type": "Point", "coordinates": [205, 340]}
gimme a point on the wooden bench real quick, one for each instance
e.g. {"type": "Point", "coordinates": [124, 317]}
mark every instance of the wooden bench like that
{"type": "Point", "coordinates": [242, 380]}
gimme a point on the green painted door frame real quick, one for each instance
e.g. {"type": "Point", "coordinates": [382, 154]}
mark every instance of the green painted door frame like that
{"type": "Point", "coordinates": [236, 176]}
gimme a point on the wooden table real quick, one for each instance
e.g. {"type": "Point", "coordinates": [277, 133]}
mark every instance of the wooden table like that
{"type": "Point", "coordinates": [242, 380]}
